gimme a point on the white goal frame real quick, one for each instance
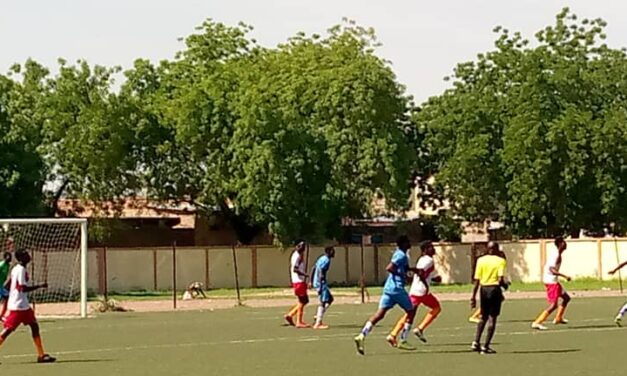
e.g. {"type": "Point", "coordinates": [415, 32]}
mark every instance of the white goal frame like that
{"type": "Point", "coordinates": [83, 248]}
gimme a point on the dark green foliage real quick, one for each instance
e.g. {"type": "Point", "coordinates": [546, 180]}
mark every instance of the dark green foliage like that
{"type": "Point", "coordinates": [535, 134]}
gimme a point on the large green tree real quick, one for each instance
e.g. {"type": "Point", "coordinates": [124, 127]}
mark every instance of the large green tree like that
{"type": "Point", "coordinates": [89, 138]}
{"type": "Point", "coordinates": [291, 138]}
{"type": "Point", "coordinates": [321, 130]}
{"type": "Point", "coordinates": [184, 125]}
{"type": "Point", "coordinates": [535, 133]}
{"type": "Point", "coordinates": [22, 168]}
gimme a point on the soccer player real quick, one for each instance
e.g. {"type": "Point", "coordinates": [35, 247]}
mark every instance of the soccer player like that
{"type": "Point", "coordinates": [476, 316]}
{"type": "Point", "coordinates": [319, 274]}
{"type": "Point", "coordinates": [554, 290]}
{"type": "Point", "coordinates": [20, 311]}
{"type": "Point", "coordinates": [5, 266]}
{"type": "Point", "coordinates": [419, 294]}
{"type": "Point", "coordinates": [490, 276]}
{"type": "Point", "coordinates": [299, 284]}
{"type": "Point", "coordinates": [393, 293]}
{"type": "Point", "coordinates": [619, 317]}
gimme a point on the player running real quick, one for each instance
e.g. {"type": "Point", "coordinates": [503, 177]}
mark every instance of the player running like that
{"type": "Point", "coordinates": [619, 317]}
{"type": "Point", "coordinates": [554, 289]}
{"type": "Point", "coordinates": [299, 284]}
{"type": "Point", "coordinates": [490, 276]}
{"type": "Point", "coordinates": [20, 311]}
{"type": "Point", "coordinates": [321, 285]}
{"type": "Point", "coordinates": [393, 293]}
{"type": "Point", "coordinates": [419, 294]}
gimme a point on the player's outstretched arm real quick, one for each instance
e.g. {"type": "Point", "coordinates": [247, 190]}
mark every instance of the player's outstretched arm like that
{"type": "Point", "coordinates": [617, 268]}
{"type": "Point", "coordinates": [34, 287]}
{"type": "Point", "coordinates": [557, 273]}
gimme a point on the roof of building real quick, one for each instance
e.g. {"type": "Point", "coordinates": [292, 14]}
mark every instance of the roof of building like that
{"type": "Point", "coordinates": [130, 208]}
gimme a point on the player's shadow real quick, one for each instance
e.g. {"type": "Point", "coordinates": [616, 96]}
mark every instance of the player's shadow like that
{"type": "Point", "coordinates": [466, 344]}
{"type": "Point", "coordinates": [460, 351]}
{"type": "Point", "coordinates": [516, 321]}
{"type": "Point", "coordinates": [598, 326]}
{"type": "Point", "coordinates": [75, 361]}
{"type": "Point", "coordinates": [414, 352]}
{"type": "Point", "coordinates": [84, 360]}
{"type": "Point", "coordinates": [348, 326]}
{"type": "Point", "coordinates": [547, 351]}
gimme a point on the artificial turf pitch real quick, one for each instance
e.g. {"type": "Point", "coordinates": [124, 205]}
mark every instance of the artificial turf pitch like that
{"type": "Point", "coordinates": [246, 341]}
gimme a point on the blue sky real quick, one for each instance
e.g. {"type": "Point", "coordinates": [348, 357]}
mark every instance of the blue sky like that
{"type": "Point", "coordinates": [422, 39]}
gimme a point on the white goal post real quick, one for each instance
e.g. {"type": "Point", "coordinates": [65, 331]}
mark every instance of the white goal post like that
{"type": "Point", "coordinates": [58, 248]}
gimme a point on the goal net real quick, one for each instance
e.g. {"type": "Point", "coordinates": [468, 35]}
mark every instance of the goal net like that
{"type": "Point", "coordinates": [58, 248]}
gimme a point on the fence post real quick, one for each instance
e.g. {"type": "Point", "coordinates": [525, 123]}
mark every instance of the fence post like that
{"type": "Point", "coordinates": [542, 257]}
{"type": "Point", "coordinates": [362, 281]}
{"type": "Point", "coordinates": [600, 259]}
{"type": "Point", "coordinates": [307, 260]}
{"type": "Point", "coordinates": [101, 273]}
{"type": "Point", "coordinates": [174, 274]}
{"type": "Point", "coordinates": [239, 299]}
{"type": "Point", "coordinates": [376, 263]}
{"type": "Point", "coordinates": [154, 270]}
{"type": "Point", "coordinates": [346, 266]}
{"type": "Point", "coordinates": [106, 274]}
{"type": "Point", "coordinates": [253, 259]}
{"type": "Point", "coordinates": [473, 260]}
{"type": "Point", "coordinates": [207, 268]}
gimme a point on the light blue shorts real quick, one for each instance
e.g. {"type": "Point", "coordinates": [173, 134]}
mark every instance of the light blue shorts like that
{"type": "Point", "coordinates": [401, 298]}
{"type": "Point", "coordinates": [4, 293]}
{"type": "Point", "coordinates": [325, 295]}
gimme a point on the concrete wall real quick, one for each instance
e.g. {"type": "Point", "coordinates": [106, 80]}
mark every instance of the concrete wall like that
{"type": "Point", "coordinates": [151, 268]}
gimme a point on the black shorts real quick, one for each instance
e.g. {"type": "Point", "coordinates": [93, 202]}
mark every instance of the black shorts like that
{"type": "Point", "coordinates": [491, 300]}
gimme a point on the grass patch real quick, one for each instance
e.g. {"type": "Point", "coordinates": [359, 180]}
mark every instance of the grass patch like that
{"type": "Point", "coordinates": [583, 284]}
{"type": "Point", "coordinates": [252, 341]}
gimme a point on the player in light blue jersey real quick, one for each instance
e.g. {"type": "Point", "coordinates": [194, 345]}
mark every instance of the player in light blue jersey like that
{"type": "Point", "coordinates": [393, 293]}
{"type": "Point", "coordinates": [321, 285]}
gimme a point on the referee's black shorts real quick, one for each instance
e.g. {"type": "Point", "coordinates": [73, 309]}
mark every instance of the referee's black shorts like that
{"type": "Point", "coordinates": [491, 300]}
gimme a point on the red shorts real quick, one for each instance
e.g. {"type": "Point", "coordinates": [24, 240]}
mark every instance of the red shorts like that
{"type": "Point", "coordinates": [300, 288]}
{"type": "Point", "coordinates": [553, 292]}
{"type": "Point", "coordinates": [17, 318]}
{"type": "Point", "coordinates": [429, 300]}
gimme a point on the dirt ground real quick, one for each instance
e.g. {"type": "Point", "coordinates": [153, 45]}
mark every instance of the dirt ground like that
{"type": "Point", "coordinates": [69, 309]}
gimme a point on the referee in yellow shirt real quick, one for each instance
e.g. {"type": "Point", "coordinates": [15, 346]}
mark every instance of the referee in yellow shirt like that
{"type": "Point", "coordinates": [489, 275]}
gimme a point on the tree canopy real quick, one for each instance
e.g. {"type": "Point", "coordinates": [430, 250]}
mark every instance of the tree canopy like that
{"type": "Point", "coordinates": [535, 133]}
{"type": "Point", "coordinates": [296, 137]}
{"type": "Point", "coordinates": [292, 138]}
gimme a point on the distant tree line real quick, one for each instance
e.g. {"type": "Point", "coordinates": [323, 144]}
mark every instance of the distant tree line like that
{"type": "Point", "coordinates": [295, 138]}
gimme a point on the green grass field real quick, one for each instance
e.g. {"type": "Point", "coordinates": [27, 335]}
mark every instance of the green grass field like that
{"type": "Point", "coordinates": [246, 341]}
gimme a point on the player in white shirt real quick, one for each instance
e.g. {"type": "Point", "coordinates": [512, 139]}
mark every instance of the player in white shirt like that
{"type": "Point", "coordinates": [554, 290]}
{"type": "Point", "coordinates": [299, 284]}
{"type": "Point", "coordinates": [20, 311]}
{"type": "Point", "coordinates": [621, 312]}
{"type": "Point", "coordinates": [419, 294]}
